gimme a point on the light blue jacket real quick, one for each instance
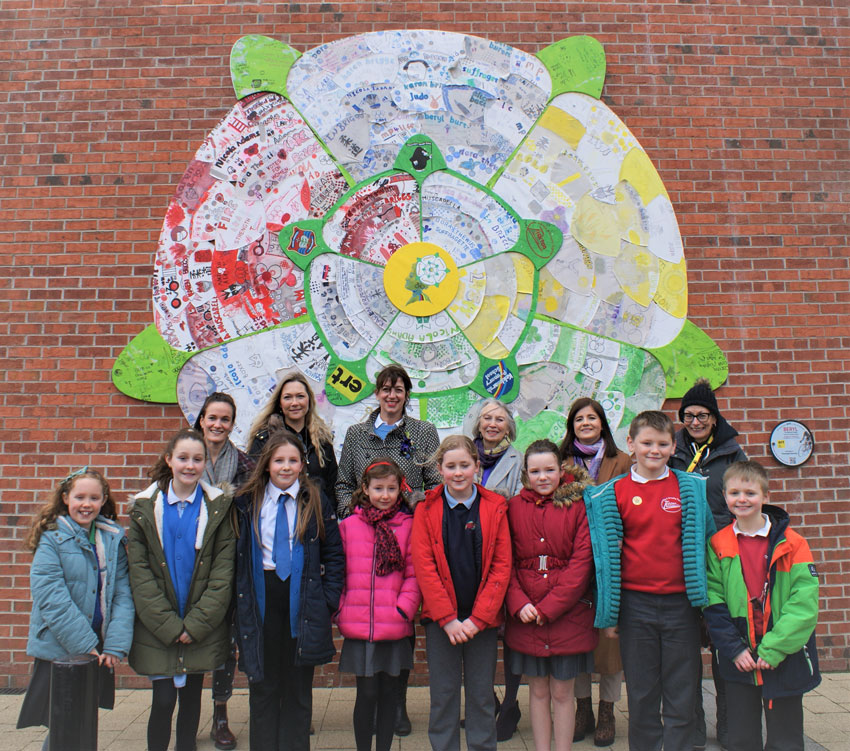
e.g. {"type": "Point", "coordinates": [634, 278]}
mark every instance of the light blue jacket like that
{"type": "Point", "coordinates": [606, 535]}
{"type": "Point", "coordinates": [63, 580]}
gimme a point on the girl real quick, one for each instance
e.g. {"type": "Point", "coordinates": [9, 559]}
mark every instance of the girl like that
{"type": "Point", "coordinates": [589, 443]}
{"type": "Point", "coordinates": [289, 576]}
{"type": "Point", "coordinates": [227, 468]}
{"type": "Point", "coordinates": [462, 558]}
{"type": "Point", "coordinates": [81, 599]}
{"type": "Point", "coordinates": [379, 601]}
{"type": "Point", "coordinates": [181, 570]}
{"type": "Point", "coordinates": [550, 614]}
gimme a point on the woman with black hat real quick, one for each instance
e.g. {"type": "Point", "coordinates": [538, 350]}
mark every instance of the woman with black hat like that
{"type": "Point", "coordinates": [706, 444]}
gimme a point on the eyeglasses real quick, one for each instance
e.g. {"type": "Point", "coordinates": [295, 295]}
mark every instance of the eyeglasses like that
{"type": "Point", "coordinates": [702, 418]}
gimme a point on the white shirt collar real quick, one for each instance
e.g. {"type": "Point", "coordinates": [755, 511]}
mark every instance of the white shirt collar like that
{"type": "Point", "coordinates": [172, 498]}
{"type": "Point", "coordinates": [643, 480]}
{"type": "Point", "coordinates": [273, 491]}
{"type": "Point", "coordinates": [763, 532]}
{"type": "Point", "coordinates": [379, 421]}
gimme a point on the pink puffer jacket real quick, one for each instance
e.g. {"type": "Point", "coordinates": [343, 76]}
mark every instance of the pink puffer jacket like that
{"type": "Point", "coordinates": [376, 608]}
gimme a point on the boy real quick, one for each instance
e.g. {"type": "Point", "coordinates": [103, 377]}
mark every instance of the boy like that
{"type": "Point", "coordinates": [762, 612]}
{"type": "Point", "coordinates": [649, 530]}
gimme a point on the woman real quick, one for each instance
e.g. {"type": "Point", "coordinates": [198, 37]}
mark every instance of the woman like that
{"type": "Point", "coordinates": [227, 469]}
{"type": "Point", "coordinates": [492, 428]}
{"type": "Point", "coordinates": [410, 443]}
{"type": "Point", "coordinates": [292, 405]}
{"type": "Point", "coordinates": [388, 432]}
{"type": "Point", "coordinates": [590, 444]}
{"type": "Point", "coordinates": [493, 431]}
{"type": "Point", "coordinates": [706, 444]}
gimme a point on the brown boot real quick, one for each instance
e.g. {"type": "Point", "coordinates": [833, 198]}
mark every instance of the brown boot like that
{"type": "Point", "coordinates": [584, 718]}
{"type": "Point", "coordinates": [220, 732]}
{"type": "Point", "coordinates": [605, 727]}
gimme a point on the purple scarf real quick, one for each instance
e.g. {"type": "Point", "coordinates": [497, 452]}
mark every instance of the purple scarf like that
{"type": "Point", "coordinates": [595, 452]}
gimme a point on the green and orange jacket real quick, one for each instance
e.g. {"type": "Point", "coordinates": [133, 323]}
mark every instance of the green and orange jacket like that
{"type": "Point", "coordinates": [790, 610]}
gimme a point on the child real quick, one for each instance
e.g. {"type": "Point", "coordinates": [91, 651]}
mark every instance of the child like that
{"type": "Point", "coordinates": [81, 599]}
{"type": "Point", "coordinates": [181, 571]}
{"type": "Point", "coordinates": [379, 601]}
{"type": "Point", "coordinates": [462, 557]}
{"type": "Point", "coordinates": [289, 576]}
{"type": "Point", "coordinates": [649, 530]}
{"type": "Point", "coordinates": [762, 612]}
{"type": "Point", "coordinates": [550, 614]}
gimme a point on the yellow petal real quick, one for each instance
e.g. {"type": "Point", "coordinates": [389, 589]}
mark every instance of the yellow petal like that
{"type": "Point", "coordinates": [672, 292]}
{"type": "Point", "coordinates": [640, 172]}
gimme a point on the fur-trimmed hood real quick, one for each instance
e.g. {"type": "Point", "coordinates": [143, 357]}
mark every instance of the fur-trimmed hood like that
{"type": "Point", "coordinates": [568, 492]}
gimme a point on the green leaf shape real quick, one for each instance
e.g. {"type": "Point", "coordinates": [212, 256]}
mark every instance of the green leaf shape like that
{"type": "Point", "coordinates": [346, 382]}
{"type": "Point", "coordinates": [575, 64]}
{"type": "Point", "coordinates": [147, 368]}
{"type": "Point", "coordinates": [691, 355]}
{"type": "Point", "coordinates": [497, 378]}
{"type": "Point", "coordinates": [260, 63]}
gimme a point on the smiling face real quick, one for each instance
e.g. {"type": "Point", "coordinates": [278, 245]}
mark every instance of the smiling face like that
{"type": "Point", "coordinates": [458, 470]}
{"type": "Point", "coordinates": [187, 462]}
{"type": "Point", "coordinates": [652, 449]}
{"type": "Point", "coordinates": [217, 423]}
{"type": "Point", "coordinates": [543, 472]}
{"type": "Point", "coordinates": [587, 425]}
{"type": "Point", "coordinates": [285, 466]}
{"type": "Point", "coordinates": [699, 423]}
{"type": "Point", "coordinates": [745, 498]}
{"type": "Point", "coordinates": [391, 398]}
{"type": "Point", "coordinates": [84, 501]}
{"type": "Point", "coordinates": [382, 492]}
{"type": "Point", "coordinates": [295, 404]}
{"type": "Point", "coordinates": [493, 425]}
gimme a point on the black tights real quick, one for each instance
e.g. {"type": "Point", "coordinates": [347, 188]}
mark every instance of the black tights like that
{"type": "Point", "coordinates": [380, 692]}
{"type": "Point", "coordinates": [188, 714]}
{"type": "Point", "coordinates": [512, 680]}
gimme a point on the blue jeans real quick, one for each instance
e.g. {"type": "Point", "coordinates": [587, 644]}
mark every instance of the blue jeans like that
{"type": "Point", "coordinates": [660, 647]}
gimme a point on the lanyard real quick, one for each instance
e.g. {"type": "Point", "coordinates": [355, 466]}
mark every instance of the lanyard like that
{"type": "Point", "coordinates": [698, 455]}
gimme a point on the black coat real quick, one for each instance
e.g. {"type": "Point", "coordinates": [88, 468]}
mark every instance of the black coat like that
{"type": "Point", "coordinates": [321, 587]}
{"type": "Point", "coordinates": [723, 451]}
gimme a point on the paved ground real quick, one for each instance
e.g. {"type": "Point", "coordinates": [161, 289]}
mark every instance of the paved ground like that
{"type": "Point", "coordinates": [827, 721]}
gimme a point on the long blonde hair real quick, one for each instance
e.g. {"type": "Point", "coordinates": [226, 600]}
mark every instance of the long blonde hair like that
{"type": "Point", "coordinates": [271, 418]}
{"type": "Point", "coordinates": [309, 499]}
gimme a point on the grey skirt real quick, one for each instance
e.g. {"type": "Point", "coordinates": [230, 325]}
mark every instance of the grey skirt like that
{"type": "Point", "coordinates": [560, 667]}
{"type": "Point", "coordinates": [366, 658]}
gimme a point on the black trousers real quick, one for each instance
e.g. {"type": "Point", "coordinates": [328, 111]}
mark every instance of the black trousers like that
{"type": "Point", "coordinates": [783, 717]}
{"type": "Point", "coordinates": [281, 704]}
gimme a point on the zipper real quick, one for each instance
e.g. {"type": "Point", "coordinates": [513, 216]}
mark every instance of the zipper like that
{"type": "Point", "coordinates": [372, 597]}
{"type": "Point", "coordinates": [808, 660]}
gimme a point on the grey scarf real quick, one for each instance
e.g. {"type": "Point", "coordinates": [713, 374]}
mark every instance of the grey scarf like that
{"type": "Point", "coordinates": [225, 466]}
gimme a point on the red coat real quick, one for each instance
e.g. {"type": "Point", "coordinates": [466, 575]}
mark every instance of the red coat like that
{"type": "Point", "coordinates": [562, 593]}
{"type": "Point", "coordinates": [439, 602]}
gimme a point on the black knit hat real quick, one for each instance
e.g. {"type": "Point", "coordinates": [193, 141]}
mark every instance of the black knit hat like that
{"type": "Point", "coordinates": [700, 393]}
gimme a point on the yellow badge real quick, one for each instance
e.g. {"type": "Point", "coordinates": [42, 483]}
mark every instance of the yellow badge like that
{"type": "Point", "coordinates": [637, 500]}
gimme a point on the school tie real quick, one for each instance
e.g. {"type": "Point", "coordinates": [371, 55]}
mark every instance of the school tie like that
{"type": "Point", "coordinates": [281, 554]}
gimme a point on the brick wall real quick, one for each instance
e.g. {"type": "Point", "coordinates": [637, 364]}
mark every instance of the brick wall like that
{"type": "Point", "coordinates": [741, 105]}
